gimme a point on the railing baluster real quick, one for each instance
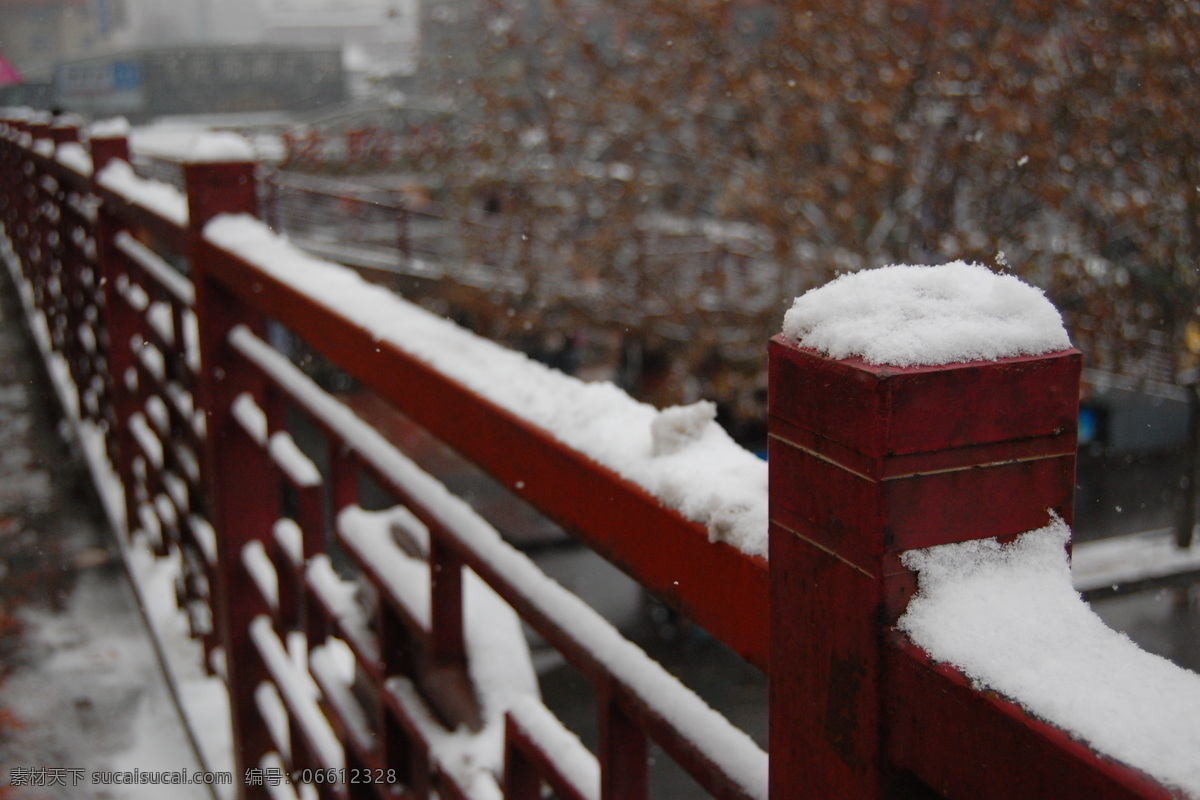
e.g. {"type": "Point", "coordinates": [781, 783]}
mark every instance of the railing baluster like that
{"type": "Point", "coordinates": [242, 511]}
{"type": "Point", "coordinates": [624, 751]}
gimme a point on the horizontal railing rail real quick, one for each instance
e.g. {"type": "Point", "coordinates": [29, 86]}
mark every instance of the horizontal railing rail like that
{"type": "Point", "coordinates": [368, 623]}
{"type": "Point", "coordinates": [257, 574]}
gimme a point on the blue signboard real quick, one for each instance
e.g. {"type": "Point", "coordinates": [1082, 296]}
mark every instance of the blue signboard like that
{"type": "Point", "coordinates": [102, 87]}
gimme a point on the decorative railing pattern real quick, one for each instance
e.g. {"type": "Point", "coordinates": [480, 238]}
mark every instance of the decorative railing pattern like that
{"type": "Point", "coordinates": [387, 643]}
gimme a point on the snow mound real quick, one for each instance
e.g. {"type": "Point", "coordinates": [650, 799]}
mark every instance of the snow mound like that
{"type": "Point", "coordinates": [113, 128]}
{"type": "Point", "coordinates": [681, 456]}
{"type": "Point", "coordinates": [909, 316]}
{"type": "Point", "coordinates": [678, 426]}
{"type": "Point", "coordinates": [1009, 619]}
{"type": "Point", "coordinates": [221, 146]}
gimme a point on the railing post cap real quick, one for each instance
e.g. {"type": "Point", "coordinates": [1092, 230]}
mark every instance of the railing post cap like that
{"type": "Point", "coordinates": [112, 128]}
{"type": "Point", "coordinates": [909, 316]}
{"type": "Point", "coordinates": [916, 359]}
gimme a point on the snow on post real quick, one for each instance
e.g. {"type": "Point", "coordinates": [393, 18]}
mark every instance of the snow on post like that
{"type": "Point", "coordinates": [909, 407]}
{"type": "Point", "coordinates": [919, 315]}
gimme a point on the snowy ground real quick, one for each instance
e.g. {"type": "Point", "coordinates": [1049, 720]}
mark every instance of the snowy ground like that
{"type": "Point", "coordinates": [81, 691]}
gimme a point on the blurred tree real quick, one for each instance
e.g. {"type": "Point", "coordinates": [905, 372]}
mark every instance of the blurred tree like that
{"type": "Point", "coordinates": [1058, 138]}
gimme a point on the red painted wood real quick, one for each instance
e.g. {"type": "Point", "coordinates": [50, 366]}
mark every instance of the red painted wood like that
{"type": "Point", "coordinates": [524, 763]}
{"type": "Point", "coordinates": [60, 134]}
{"type": "Point", "coordinates": [446, 604]}
{"type": "Point", "coordinates": [867, 462]}
{"type": "Point", "coordinates": [527, 766]}
{"type": "Point", "coordinates": [219, 188]}
{"type": "Point", "coordinates": [881, 411]}
{"type": "Point", "coordinates": [106, 150]}
{"type": "Point", "coordinates": [971, 744]}
{"type": "Point", "coordinates": [669, 555]}
{"type": "Point", "coordinates": [624, 770]}
{"type": "Point", "coordinates": [824, 712]}
{"type": "Point", "coordinates": [241, 510]}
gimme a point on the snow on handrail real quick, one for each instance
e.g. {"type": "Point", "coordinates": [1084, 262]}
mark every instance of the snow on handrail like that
{"type": "Point", "coordinates": [681, 456]}
{"type": "Point", "coordinates": [718, 740]}
{"type": "Point", "coordinates": [167, 276]}
{"type": "Point", "coordinates": [1009, 619]}
{"type": "Point", "coordinates": [157, 197]}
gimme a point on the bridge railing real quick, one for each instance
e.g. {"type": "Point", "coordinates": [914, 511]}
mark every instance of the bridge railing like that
{"type": "Point", "coordinates": [368, 624]}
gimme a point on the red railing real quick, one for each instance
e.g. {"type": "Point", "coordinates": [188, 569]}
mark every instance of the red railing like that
{"type": "Point", "coordinates": [173, 342]}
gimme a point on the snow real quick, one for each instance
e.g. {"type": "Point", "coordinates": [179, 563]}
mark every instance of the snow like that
{"type": "Point", "coordinates": [183, 140]}
{"type": "Point", "coordinates": [1008, 617]}
{"type": "Point", "coordinates": [499, 665]}
{"type": "Point", "coordinates": [206, 538]}
{"type": "Point", "coordinates": [202, 698]}
{"type": "Point", "coordinates": [247, 413]}
{"type": "Point", "coordinates": [291, 539]}
{"type": "Point", "coordinates": [157, 268]}
{"type": "Point", "coordinates": [112, 128]}
{"type": "Point", "coordinates": [338, 596]}
{"type": "Point", "coordinates": [1129, 559]}
{"type": "Point", "coordinates": [134, 294]}
{"type": "Point", "coordinates": [155, 196]}
{"type": "Point", "coordinates": [574, 761]}
{"type": "Point", "coordinates": [221, 146]}
{"type": "Point", "coordinates": [74, 156]}
{"type": "Point", "coordinates": [679, 426]}
{"type": "Point", "coordinates": [452, 751]}
{"type": "Point", "coordinates": [286, 454]}
{"type": "Point", "coordinates": [328, 668]}
{"type": "Point", "coordinates": [910, 316]}
{"type": "Point", "coordinates": [147, 441]}
{"type": "Point", "coordinates": [298, 693]}
{"type": "Point", "coordinates": [709, 478]}
{"type": "Point", "coordinates": [274, 715]}
{"type": "Point", "coordinates": [731, 749]}
{"type": "Point", "coordinates": [262, 571]}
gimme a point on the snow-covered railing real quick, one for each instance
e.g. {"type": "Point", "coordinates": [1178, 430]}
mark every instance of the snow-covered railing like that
{"type": "Point", "coordinates": [936, 408]}
{"type": "Point", "coordinates": [406, 679]}
{"type": "Point", "coordinates": [387, 644]}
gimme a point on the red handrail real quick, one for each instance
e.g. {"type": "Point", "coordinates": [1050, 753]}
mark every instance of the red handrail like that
{"type": "Point", "coordinates": [865, 463]}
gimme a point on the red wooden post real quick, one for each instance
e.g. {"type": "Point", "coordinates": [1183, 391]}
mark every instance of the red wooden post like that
{"type": "Point", "coordinates": [235, 467]}
{"type": "Point", "coordinates": [624, 749]}
{"type": "Point", "coordinates": [64, 133]}
{"type": "Point", "coordinates": [867, 462]}
{"type": "Point", "coordinates": [521, 779]}
{"type": "Point", "coordinates": [118, 326]}
{"type": "Point", "coordinates": [75, 290]}
{"type": "Point", "coordinates": [106, 149]}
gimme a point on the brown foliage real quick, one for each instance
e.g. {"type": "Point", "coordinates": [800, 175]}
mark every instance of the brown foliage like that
{"type": "Point", "coordinates": [1064, 135]}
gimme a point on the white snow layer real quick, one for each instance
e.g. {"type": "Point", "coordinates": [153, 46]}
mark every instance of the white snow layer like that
{"type": "Point", "coordinates": [221, 146]}
{"type": "Point", "coordinates": [499, 662]}
{"type": "Point", "coordinates": [1008, 617]}
{"type": "Point", "coordinates": [729, 748]}
{"type": "Point", "coordinates": [161, 198]}
{"type": "Point", "coordinates": [112, 128]}
{"type": "Point", "coordinates": [910, 316]}
{"type": "Point", "coordinates": [681, 456]}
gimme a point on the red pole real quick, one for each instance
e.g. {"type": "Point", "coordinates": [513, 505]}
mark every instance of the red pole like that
{"type": "Point", "coordinates": [235, 468]}
{"type": "Point", "coordinates": [866, 463]}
